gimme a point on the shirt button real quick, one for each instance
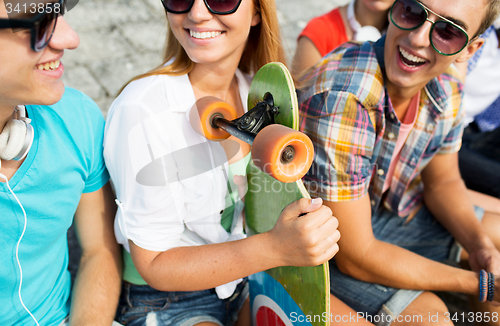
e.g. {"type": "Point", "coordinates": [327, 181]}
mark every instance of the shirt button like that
{"type": "Point", "coordinates": [380, 172]}
{"type": "Point", "coordinates": [392, 115]}
{"type": "Point", "coordinates": [373, 202]}
{"type": "Point", "coordinates": [391, 135]}
{"type": "Point", "coordinates": [428, 128]}
{"type": "Point", "coordinates": [222, 211]}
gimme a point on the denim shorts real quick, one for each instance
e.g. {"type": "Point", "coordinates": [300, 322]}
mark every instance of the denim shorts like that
{"type": "Point", "coordinates": [422, 235]}
{"type": "Point", "coordinates": [142, 305]}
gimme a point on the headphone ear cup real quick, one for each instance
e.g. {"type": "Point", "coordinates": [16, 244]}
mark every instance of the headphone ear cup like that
{"type": "Point", "coordinates": [368, 33]}
{"type": "Point", "coordinates": [12, 139]}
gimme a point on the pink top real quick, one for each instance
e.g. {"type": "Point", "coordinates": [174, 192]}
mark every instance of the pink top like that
{"type": "Point", "coordinates": [404, 131]}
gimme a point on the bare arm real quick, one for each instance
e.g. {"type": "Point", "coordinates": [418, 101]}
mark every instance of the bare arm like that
{"type": "Point", "coordinates": [364, 257]}
{"type": "Point", "coordinates": [97, 285]}
{"type": "Point", "coordinates": [446, 197]}
{"type": "Point", "coordinates": [306, 56]}
{"type": "Point", "coordinates": [308, 240]}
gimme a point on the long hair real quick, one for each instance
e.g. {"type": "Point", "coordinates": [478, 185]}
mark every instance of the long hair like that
{"type": "Point", "coordinates": [263, 46]}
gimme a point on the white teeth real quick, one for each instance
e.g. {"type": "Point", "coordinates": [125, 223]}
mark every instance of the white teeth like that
{"type": "Point", "coordinates": [204, 35]}
{"type": "Point", "coordinates": [49, 65]}
{"type": "Point", "coordinates": [410, 56]}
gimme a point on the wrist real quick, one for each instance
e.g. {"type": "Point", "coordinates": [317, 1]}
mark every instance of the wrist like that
{"type": "Point", "coordinates": [480, 242]}
{"type": "Point", "coordinates": [469, 283]}
{"type": "Point", "coordinates": [269, 249]}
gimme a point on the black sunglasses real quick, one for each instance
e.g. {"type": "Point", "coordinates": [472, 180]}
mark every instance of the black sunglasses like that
{"type": "Point", "coordinates": [446, 37]}
{"type": "Point", "coordinates": [217, 7]}
{"type": "Point", "coordinates": [41, 25]}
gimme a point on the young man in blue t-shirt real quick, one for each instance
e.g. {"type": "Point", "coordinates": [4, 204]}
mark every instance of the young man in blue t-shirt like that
{"type": "Point", "coordinates": [51, 170]}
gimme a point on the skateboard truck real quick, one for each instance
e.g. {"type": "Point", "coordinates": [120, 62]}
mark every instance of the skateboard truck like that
{"type": "Point", "coordinates": [282, 152]}
{"type": "Point", "coordinates": [248, 125]}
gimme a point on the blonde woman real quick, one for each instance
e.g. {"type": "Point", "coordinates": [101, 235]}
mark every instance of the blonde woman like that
{"type": "Point", "coordinates": [186, 255]}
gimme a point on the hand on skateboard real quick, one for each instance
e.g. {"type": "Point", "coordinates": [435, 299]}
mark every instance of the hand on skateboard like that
{"type": "Point", "coordinates": [305, 234]}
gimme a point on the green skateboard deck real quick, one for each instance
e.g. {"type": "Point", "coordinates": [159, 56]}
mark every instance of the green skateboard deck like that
{"type": "Point", "coordinates": [284, 295]}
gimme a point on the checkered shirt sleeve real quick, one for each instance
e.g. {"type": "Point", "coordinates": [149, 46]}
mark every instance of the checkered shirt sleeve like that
{"type": "Point", "coordinates": [339, 113]}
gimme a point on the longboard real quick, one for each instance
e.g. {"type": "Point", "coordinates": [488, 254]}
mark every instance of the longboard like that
{"type": "Point", "coordinates": [284, 295]}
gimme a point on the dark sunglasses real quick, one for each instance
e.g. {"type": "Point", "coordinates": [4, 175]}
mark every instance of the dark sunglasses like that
{"type": "Point", "coordinates": [217, 7]}
{"type": "Point", "coordinates": [446, 37]}
{"type": "Point", "coordinates": [41, 25]}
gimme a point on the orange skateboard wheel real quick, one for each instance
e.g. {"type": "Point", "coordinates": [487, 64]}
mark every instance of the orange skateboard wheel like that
{"type": "Point", "coordinates": [283, 153]}
{"type": "Point", "coordinates": [203, 112]}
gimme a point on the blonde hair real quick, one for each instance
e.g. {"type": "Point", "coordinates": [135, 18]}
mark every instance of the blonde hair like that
{"type": "Point", "coordinates": [263, 46]}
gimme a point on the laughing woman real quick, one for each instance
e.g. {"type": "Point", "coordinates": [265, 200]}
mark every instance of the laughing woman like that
{"type": "Point", "coordinates": [185, 252]}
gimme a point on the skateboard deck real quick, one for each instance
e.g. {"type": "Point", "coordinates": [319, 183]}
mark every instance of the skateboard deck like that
{"type": "Point", "coordinates": [284, 295]}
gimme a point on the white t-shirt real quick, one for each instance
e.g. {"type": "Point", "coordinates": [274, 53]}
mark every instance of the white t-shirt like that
{"type": "Point", "coordinates": [170, 182]}
{"type": "Point", "coordinates": [482, 86]}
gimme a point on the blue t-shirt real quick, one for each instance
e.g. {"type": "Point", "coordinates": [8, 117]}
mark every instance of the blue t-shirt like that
{"type": "Point", "coordinates": [65, 161]}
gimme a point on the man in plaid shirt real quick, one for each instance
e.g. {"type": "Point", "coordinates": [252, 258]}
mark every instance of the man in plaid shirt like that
{"type": "Point", "coordinates": [386, 122]}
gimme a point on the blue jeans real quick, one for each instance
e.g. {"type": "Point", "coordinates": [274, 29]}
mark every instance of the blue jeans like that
{"type": "Point", "coordinates": [422, 235]}
{"type": "Point", "coordinates": [141, 305]}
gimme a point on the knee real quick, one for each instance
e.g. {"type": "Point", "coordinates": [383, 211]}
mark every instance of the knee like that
{"type": "Point", "coordinates": [491, 224]}
{"type": "Point", "coordinates": [426, 310]}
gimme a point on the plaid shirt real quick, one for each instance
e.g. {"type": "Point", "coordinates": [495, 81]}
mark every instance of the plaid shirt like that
{"type": "Point", "coordinates": [347, 113]}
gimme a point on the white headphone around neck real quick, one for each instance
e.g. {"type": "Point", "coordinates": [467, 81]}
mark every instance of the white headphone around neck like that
{"type": "Point", "coordinates": [16, 137]}
{"type": "Point", "coordinates": [15, 142]}
{"type": "Point", "coordinates": [361, 33]}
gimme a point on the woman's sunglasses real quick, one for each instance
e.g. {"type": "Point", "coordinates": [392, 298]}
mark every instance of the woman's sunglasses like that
{"type": "Point", "coordinates": [41, 25]}
{"type": "Point", "coordinates": [217, 7]}
{"type": "Point", "coordinates": [446, 37]}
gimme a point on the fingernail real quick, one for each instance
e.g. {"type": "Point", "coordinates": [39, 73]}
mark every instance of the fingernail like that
{"type": "Point", "coordinates": [315, 201]}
